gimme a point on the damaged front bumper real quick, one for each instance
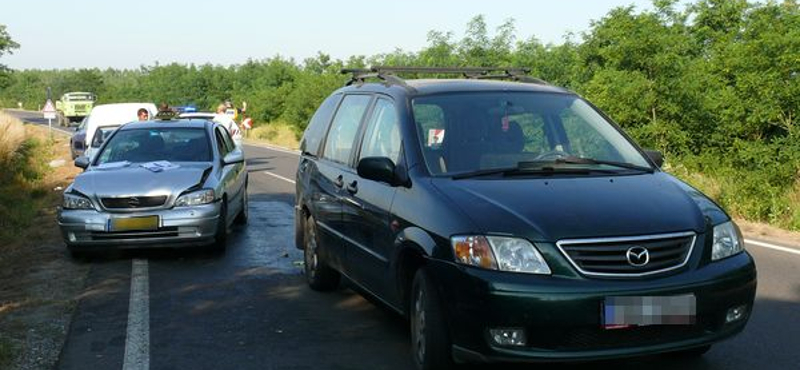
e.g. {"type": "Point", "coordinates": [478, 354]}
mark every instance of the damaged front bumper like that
{"type": "Point", "coordinates": [180, 226]}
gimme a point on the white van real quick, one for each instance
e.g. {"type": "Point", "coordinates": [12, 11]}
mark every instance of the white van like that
{"type": "Point", "coordinates": [105, 118]}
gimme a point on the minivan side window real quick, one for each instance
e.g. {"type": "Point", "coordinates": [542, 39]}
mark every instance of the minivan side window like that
{"type": "Point", "coordinates": [315, 132]}
{"type": "Point", "coordinates": [382, 138]}
{"type": "Point", "coordinates": [342, 134]}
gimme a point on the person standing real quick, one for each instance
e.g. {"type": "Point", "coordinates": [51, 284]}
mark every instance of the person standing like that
{"type": "Point", "coordinates": [227, 121]}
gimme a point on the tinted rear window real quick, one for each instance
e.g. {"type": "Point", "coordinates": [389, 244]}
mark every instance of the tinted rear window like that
{"type": "Point", "coordinates": [342, 134]}
{"type": "Point", "coordinates": [312, 138]}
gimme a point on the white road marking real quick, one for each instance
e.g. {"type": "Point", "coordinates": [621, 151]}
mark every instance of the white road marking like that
{"type": "Point", "coordinates": [772, 246]}
{"type": "Point", "coordinates": [275, 175]}
{"type": "Point", "coordinates": [273, 147]}
{"type": "Point", "coordinates": [137, 341]}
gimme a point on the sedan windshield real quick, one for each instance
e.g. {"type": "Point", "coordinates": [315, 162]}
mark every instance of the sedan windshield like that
{"type": "Point", "coordinates": [476, 133]}
{"type": "Point", "coordinates": [157, 144]}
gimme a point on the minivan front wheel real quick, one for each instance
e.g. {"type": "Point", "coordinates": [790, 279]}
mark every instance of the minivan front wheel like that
{"type": "Point", "coordinates": [430, 344]}
{"type": "Point", "coordinates": [319, 275]}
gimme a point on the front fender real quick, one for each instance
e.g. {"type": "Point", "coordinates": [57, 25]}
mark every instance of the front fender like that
{"type": "Point", "coordinates": [420, 238]}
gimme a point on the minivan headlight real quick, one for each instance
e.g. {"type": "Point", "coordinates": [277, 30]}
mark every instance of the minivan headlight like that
{"type": "Point", "coordinates": [727, 241]}
{"type": "Point", "coordinates": [75, 201]}
{"type": "Point", "coordinates": [499, 253]}
{"type": "Point", "coordinates": [196, 198]}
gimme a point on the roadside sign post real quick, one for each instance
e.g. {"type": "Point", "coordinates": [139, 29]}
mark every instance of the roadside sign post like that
{"type": "Point", "coordinates": [49, 112]}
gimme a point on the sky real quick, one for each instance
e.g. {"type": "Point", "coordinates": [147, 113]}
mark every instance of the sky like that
{"type": "Point", "coordinates": [130, 34]}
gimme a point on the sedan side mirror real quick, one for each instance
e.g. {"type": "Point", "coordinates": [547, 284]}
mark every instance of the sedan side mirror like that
{"type": "Point", "coordinates": [82, 162]}
{"type": "Point", "coordinates": [236, 156]}
{"type": "Point", "coordinates": [655, 156]}
{"type": "Point", "coordinates": [378, 169]}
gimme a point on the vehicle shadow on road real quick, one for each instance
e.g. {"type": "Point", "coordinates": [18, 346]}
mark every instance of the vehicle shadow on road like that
{"type": "Point", "coordinates": [260, 164]}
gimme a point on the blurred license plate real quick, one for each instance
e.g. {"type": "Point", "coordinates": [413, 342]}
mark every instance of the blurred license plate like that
{"type": "Point", "coordinates": [622, 312]}
{"type": "Point", "coordinates": [134, 223]}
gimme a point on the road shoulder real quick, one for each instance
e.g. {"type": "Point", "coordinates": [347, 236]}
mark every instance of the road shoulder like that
{"type": "Point", "coordinates": [39, 283]}
{"type": "Point", "coordinates": [770, 234]}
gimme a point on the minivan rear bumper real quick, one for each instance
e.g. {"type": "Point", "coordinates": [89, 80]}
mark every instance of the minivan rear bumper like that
{"type": "Point", "coordinates": [562, 316]}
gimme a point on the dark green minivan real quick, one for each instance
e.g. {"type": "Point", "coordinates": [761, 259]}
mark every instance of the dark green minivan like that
{"type": "Point", "coordinates": [511, 220]}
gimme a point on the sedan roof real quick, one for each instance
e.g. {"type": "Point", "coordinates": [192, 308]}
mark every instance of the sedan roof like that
{"type": "Point", "coordinates": [173, 123]}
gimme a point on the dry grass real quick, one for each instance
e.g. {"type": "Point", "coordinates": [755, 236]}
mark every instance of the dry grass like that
{"type": "Point", "coordinates": [275, 133]}
{"type": "Point", "coordinates": [39, 285]}
{"type": "Point", "coordinates": [12, 135]}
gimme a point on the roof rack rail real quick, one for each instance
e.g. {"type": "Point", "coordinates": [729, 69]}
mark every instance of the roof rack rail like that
{"type": "Point", "coordinates": [361, 74]}
{"type": "Point", "coordinates": [387, 73]}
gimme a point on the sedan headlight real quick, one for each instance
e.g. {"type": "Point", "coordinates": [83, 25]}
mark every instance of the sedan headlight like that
{"type": "Point", "coordinates": [75, 201]}
{"type": "Point", "coordinates": [196, 198]}
{"type": "Point", "coordinates": [727, 241]}
{"type": "Point", "coordinates": [499, 253]}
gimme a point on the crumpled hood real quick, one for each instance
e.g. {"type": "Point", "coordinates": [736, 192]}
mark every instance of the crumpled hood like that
{"type": "Point", "coordinates": [550, 209]}
{"type": "Point", "coordinates": [137, 181]}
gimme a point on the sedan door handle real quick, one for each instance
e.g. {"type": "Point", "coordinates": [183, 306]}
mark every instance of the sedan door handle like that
{"type": "Point", "coordinates": [339, 182]}
{"type": "Point", "coordinates": [352, 187]}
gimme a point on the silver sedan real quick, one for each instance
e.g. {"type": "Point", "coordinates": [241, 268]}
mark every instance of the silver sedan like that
{"type": "Point", "coordinates": [159, 183]}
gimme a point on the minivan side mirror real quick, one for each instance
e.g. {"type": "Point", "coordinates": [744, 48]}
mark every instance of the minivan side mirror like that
{"type": "Point", "coordinates": [82, 162]}
{"type": "Point", "coordinates": [378, 169]}
{"type": "Point", "coordinates": [655, 156]}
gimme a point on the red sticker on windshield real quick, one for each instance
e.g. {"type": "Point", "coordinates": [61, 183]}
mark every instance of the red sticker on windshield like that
{"type": "Point", "coordinates": [505, 124]}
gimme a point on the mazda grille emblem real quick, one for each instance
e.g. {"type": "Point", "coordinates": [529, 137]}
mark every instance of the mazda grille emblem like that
{"type": "Point", "coordinates": [133, 202]}
{"type": "Point", "coordinates": [637, 256]}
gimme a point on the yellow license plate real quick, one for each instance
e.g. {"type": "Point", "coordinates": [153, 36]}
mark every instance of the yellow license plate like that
{"type": "Point", "coordinates": [134, 223]}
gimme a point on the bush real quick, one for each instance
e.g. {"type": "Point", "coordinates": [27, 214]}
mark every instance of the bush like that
{"type": "Point", "coordinates": [12, 134]}
{"type": "Point", "coordinates": [21, 189]}
{"type": "Point", "coordinates": [276, 133]}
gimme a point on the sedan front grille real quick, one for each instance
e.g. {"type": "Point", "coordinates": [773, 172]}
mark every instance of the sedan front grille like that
{"type": "Point", "coordinates": [629, 256]}
{"type": "Point", "coordinates": [134, 202]}
{"type": "Point", "coordinates": [164, 232]}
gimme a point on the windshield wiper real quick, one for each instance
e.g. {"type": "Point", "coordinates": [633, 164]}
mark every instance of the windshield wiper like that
{"type": "Point", "coordinates": [547, 168]}
{"type": "Point", "coordinates": [525, 169]}
{"type": "Point", "coordinates": [584, 160]}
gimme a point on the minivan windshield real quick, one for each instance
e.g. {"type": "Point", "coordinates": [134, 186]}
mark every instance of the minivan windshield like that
{"type": "Point", "coordinates": [477, 133]}
{"type": "Point", "coordinates": [161, 144]}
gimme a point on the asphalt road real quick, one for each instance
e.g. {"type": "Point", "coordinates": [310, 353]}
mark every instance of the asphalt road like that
{"type": "Point", "coordinates": [249, 308]}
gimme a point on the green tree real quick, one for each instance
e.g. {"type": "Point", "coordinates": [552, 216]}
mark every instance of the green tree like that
{"type": "Point", "coordinates": [7, 46]}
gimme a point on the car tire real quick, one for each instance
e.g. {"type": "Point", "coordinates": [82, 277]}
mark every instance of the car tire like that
{"type": "Point", "coordinates": [241, 218]}
{"type": "Point", "coordinates": [694, 352]}
{"type": "Point", "coordinates": [319, 275]}
{"type": "Point", "coordinates": [430, 342]}
{"type": "Point", "coordinates": [221, 237]}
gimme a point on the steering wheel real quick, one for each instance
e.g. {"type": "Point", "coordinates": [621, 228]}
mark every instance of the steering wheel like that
{"type": "Point", "coordinates": [552, 155]}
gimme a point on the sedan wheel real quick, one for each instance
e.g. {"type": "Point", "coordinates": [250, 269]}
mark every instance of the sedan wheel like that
{"type": "Point", "coordinates": [319, 275]}
{"type": "Point", "coordinates": [221, 237]}
{"type": "Point", "coordinates": [241, 218]}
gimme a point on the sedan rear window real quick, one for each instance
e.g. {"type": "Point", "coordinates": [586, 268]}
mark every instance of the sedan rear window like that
{"type": "Point", "coordinates": [157, 144]}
